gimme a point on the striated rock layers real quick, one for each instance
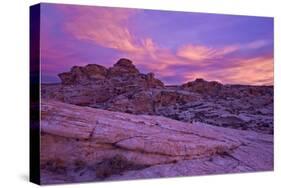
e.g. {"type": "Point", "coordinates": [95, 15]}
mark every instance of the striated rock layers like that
{"type": "Point", "coordinates": [87, 144]}
{"type": "Point", "coordinates": [123, 88]}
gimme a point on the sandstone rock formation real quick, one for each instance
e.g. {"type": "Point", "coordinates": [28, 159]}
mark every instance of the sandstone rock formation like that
{"type": "Point", "coordinates": [203, 87]}
{"type": "Point", "coordinates": [117, 123]}
{"type": "Point", "coordinates": [93, 84]}
{"type": "Point", "coordinates": [88, 144]}
{"type": "Point", "coordinates": [123, 67]}
{"type": "Point", "coordinates": [123, 88]}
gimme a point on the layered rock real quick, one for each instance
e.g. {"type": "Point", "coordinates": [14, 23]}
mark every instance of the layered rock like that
{"type": "Point", "coordinates": [88, 144]}
{"type": "Point", "coordinates": [203, 87]}
{"type": "Point", "coordinates": [123, 88]}
{"type": "Point", "coordinates": [235, 106]}
{"type": "Point", "coordinates": [123, 67]}
{"type": "Point", "coordinates": [93, 84]}
{"type": "Point", "coordinates": [82, 75]}
{"type": "Point", "coordinates": [121, 71]}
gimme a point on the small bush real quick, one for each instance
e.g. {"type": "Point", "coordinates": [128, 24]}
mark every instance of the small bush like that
{"type": "Point", "coordinates": [115, 165]}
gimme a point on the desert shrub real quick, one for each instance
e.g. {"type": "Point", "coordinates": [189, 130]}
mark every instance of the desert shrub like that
{"type": "Point", "coordinates": [115, 165]}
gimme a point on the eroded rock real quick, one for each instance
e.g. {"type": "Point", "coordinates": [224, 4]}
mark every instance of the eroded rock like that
{"type": "Point", "coordinates": [76, 140]}
{"type": "Point", "coordinates": [203, 87]}
{"type": "Point", "coordinates": [123, 67]}
{"type": "Point", "coordinates": [123, 88]}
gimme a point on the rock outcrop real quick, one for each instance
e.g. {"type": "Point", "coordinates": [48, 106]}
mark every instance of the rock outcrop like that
{"type": "Point", "coordinates": [83, 75]}
{"type": "Point", "coordinates": [123, 67]}
{"type": "Point", "coordinates": [203, 87]}
{"type": "Point", "coordinates": [95, 74]}
{"type": "Point", "coordinates": [123, 88]}
{"type": "Point", "coordinates": [89, 144]}
{"type": "Point", "coordinates": [93, 84]}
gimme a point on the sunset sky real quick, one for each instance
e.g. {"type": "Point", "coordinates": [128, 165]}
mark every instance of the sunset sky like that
{"type": "Point", "coordinates": [176, 46]}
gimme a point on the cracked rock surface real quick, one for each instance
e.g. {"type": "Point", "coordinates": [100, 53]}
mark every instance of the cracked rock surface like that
{"type": "Point", "coordinates": [123, 88]}
{"type": "Point", "coordinates": [87, 144]}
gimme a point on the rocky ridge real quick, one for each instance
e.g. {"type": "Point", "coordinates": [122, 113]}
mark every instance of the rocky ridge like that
{"type": "Point", "coordinates": [123, 88]}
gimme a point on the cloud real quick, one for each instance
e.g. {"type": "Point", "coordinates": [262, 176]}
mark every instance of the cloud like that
{"type": "Point", "coordinates": [257, 44]}
{"type": "Point", "coordinates": [201, 52]}
{"type": "Point", "coordinates": [106, 27]}
{"type": "Point", "coordinates": [255, 71]}
{"type": "Point", "coordinates": [113, 28]}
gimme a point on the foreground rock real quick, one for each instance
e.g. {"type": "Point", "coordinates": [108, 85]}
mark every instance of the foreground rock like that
{"type": "Point", "coordinates": [88, 144]}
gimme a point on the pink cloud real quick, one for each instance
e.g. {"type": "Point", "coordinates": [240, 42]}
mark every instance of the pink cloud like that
{"type": "Point", "coordinates": [254, 71]}
{"type": "Point", "coordinates": [156, 58]}
{"type": "Point", "coordinates": [256, 44]}
{"type": "Point", "coordinates": [200, 52]}
{"type": "Point", "coordinates": [258, 70]}
{"type": "Point", "coordinates": [110, 28]}
{"type": "Point", "coordinates": [106, 27]}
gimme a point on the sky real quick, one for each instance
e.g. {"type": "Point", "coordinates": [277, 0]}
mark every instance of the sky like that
{"type": "Point", "coordinates": [176, 46]}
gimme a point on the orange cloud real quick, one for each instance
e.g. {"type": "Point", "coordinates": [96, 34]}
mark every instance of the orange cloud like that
{"type": "Point", "coordinates": [200, 52]}
{"type": "Point", "coordinates": [258, 71]}
{"type": "Point", "coordinates": [253, 71]}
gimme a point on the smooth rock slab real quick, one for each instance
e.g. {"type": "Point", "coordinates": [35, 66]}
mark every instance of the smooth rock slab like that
{"type": "Point", "coordinates": [75, 139]}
